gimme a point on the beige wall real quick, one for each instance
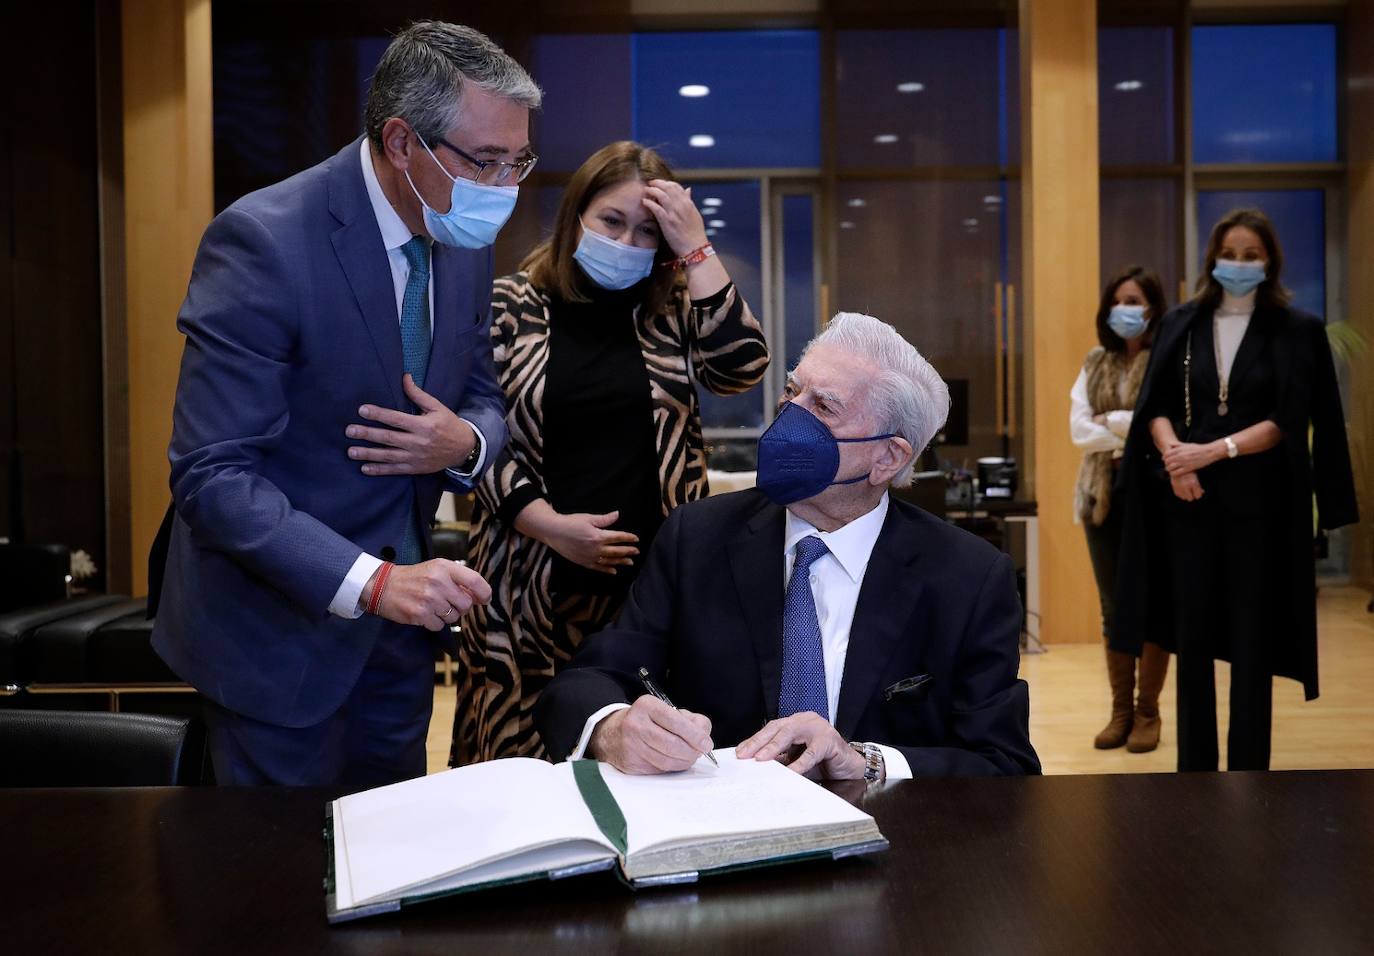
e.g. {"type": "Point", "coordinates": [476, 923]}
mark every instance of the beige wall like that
{"type": "Point", "coordinates": [168, 201]}
{"type": "Point", "coordinates": [1059, 239]}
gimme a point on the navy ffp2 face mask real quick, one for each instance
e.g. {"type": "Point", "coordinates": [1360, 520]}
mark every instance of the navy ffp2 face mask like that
{"type": "Point", "coordinates": [799, 457]}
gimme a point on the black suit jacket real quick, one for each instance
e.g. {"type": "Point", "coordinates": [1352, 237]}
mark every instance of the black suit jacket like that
{"type": "Point", "coordinates": [705, 617]}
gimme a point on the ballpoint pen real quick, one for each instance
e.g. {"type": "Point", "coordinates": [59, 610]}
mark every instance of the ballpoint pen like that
{"type": "Point", "coordinates": [652, 688]}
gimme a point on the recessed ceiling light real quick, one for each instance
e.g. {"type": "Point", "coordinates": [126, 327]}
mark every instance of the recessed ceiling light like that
{"type": "Point", "coordinates": [858, 203]}
{"type": "Point", "coordinates": [693, 90]}
{"type": "Point", "coordinates": [1129, 86]}
{"type": "Point", "coordinates": [910, 87]}
{"type": "Point", "coordinates": [710, 232]}
{"type": "Point", "coordinates": [846, 225]}
{"type": "Point", "coordinates": [885, 138]}
{"type": "Point", "coordinates": [717, 224]}
{"type": "Point", "coordinates": [992, 200]}
{"type": "Point", "coordinates": [711, 201]}
{"type": "Point", "coordinates": [971, 222]}
{"type": "Point", "coordinates": [702, 140]}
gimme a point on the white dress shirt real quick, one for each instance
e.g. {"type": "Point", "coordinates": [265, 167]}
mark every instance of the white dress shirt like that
{"type": "Point", "coordinates": [395, 234]}
{"type": "Point", "coordinates": [836, 579]}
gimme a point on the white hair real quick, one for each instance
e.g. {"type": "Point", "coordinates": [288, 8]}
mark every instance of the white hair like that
{"type": "Point", "coordinates": [906, 395]}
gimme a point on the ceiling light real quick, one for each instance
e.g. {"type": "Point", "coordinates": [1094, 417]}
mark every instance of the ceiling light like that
{"type": "Point", "coordinates": [702, 140]}
{"type": "Point", "coordinates": [717, 224]}
{"type": "Point", "coordinates": [885, 138]}
{"type": "Point", "coordinates": [710, 232]}
{"type": "Point", "coordinates": [971, 223]}
{"type": "Point", "coordinates": [858, 203]}
{"type": "Point", "coordinates": [846, 225]}
{"type": "Point", "coordinates": [1129, 86]}
{"type": "Point", "coordinates": [910, 87]}
{"type": "Point", "coordinates": [711, 201]}
{"type": "Point", "coordinates": [992, 200]}
{"type": "Point", "coordinates": [693, 90]}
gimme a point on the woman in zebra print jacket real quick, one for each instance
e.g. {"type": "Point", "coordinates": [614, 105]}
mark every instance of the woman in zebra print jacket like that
{"type": "Point", "coordinates": [599, 341]}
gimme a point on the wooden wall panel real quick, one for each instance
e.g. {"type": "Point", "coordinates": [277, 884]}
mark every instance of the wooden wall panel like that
{"type": "Point", "coordinates": [168, 200]}
{"type": "Point", "coordinates": [1060, 246]}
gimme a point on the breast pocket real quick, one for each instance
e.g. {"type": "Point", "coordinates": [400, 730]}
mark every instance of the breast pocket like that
{"type": "Point", "coordinates": [470, 335]}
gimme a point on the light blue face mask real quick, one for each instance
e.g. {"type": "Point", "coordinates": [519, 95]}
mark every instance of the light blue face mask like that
{"type": "Point", "coordinates": [611, 264]}
{"type": "Point", "coordinates": [1239, 278]}
{"type": "Point", "coordinates": [475, 215]}
{"type": "Point", "coordinates": [1128, 321]}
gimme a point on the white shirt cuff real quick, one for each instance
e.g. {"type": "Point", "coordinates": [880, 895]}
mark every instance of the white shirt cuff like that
{"type": "Point", "coordinates": [346, 599]}
{"type": "Point", "coordinates": [481, 455]}
{"type": "Point", "coordinates": [590, 726]}
{"type": "Point", "coordinates": [1119, 422]}
{"type": "Point", "coordinates": [894, 763]}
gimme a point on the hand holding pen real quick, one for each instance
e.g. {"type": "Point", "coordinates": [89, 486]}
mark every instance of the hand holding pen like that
{"type": "Point", "coordinates": [652, 688]}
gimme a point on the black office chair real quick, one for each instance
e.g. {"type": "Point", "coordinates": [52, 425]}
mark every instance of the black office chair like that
{"type": "Point", "coordinates": [68, 748]}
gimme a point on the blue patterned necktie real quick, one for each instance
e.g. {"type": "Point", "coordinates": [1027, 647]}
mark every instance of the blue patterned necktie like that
{"type": "Point", "coordinates": [803, 660]}
{"type": "Point", "coordinates": [415, 340]}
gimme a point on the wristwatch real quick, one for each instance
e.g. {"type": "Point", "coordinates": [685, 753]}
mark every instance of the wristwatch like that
{"type": "Point", "coordinates": [874, 768]}
{"type": "Point", "coordinates": [1231, 450]}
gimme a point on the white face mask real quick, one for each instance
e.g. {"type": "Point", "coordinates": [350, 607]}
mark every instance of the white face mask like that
{"type": "Point", "coordinates": [611, 264]}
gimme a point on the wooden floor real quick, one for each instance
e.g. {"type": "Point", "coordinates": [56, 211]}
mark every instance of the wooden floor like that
{"type": "Point", "coordinates": [1069, 702]}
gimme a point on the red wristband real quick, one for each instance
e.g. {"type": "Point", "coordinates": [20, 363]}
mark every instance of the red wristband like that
{"type": "Point", "coordinates": [382, 574]}
{"type": "Point", "coordinates": [699, 254]}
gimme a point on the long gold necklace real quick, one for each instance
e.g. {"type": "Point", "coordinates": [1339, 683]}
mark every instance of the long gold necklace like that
{"type": "Point", "coordinates": [1223, 379]}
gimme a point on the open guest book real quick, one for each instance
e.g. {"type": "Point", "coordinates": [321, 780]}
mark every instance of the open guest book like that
{"type": "Point", "coordinates": [518, 819]}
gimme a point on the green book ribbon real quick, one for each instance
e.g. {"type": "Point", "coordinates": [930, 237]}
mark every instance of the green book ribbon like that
{"type": "Point", "coordinates": [597, 796]}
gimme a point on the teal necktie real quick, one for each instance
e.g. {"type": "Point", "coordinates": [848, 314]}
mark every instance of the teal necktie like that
{"type": "Point", "coordinates": [415, 334]}
{"type": "Point", "coordinates": [415, 340]}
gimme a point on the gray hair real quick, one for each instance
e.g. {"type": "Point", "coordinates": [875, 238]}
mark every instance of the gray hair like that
{"type": "Point", "coordinates": [421, 75]}
{"type": "Point", "coordinates": [907, 396]}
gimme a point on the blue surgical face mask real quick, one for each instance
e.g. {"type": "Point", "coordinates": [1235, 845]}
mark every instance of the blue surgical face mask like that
{"type": "Point", "coordinates": [799, 457]}
{"type": "Point", "coordinates": [1128, 321]}
{"type": "Point", "coordinates": [1239, 278]}
{"type": "Point", "coordinates": [475, 215]}
{"type": "Point", "coordinates": [611, 264]}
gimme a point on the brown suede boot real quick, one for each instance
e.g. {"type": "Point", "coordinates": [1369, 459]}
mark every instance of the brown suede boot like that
{"type": "Point", "coordinates": [1154, 667]}
{"type": "Point", "coordinates": [1121, 675]}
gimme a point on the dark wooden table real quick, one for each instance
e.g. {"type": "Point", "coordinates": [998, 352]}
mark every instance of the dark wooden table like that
{"type": "Point", "coordinates": [1280, 862]}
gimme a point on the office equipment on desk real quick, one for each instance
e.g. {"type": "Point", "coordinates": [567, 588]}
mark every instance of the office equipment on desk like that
{"type": "Point", "coordinates": [997, 477]}
{"type": "Point", "coordinates": [517, 819]}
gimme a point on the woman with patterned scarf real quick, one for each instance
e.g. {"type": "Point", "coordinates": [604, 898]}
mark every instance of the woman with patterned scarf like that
{"type": "Point", "coordinates": [1099, 420]}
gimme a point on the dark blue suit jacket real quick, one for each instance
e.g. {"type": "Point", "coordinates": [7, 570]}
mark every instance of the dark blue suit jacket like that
{"type": "Point", "coordinates": [290, 323]}
{"type": "Point", "coordinates": [705, 617]}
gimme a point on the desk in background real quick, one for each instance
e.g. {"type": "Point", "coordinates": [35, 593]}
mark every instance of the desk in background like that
{"type": "Point", "coordinates": [1277, 862]}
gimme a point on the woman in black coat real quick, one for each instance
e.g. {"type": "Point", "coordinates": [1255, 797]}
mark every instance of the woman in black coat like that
{"type": "Point", "coordinates": [1217, 557]}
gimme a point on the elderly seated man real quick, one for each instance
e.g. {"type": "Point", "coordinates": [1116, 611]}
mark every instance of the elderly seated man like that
{"type": "Point", "coordinates": [814, 619]}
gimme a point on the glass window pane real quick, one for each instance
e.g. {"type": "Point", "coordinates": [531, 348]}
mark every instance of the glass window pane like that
{"type": "Point", "coordinates": [1264, 94]}
{"type": "Point", "coordinates": [919, 97]}
{"type": "Point", "coordinates": [732, 215]}
{"type": "Point", "coordinates": [730, 99]}
{"type": "Point", "coordinates": [927, 257]}
{"type": "Point", "coordinates": [1135, 81]}
{"type": "Point", "coordinates": [575, 70]}
{"type": "Point", "coordinates": [799, 304]}
{"type": "Point", "coordinates": [1140, 226]}
{"type": "Point", "coordinates": [1299, 218]}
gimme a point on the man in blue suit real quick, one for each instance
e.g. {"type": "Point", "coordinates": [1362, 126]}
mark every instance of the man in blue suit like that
{"type": "Point", "coordinates": [337, 377]}
{"type": "Point", "coordinates": [815, 619]}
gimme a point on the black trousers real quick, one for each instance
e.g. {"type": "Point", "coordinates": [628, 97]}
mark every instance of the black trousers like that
{"type": "Point", "coordinates": [1221, 566]}
{"type": "Point", "coordinates": [1104, 549]}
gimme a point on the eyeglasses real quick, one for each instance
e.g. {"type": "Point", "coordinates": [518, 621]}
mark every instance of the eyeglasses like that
{"type": "Point", "coordinates": [493, 173]}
